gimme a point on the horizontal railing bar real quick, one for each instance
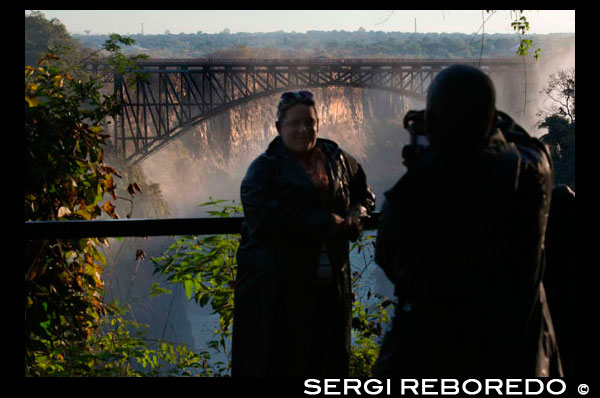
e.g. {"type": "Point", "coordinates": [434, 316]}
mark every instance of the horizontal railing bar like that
{"type": "Point", "coordinates": [72, 229]}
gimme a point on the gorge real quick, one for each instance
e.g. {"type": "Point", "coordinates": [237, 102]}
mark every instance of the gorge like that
{"type": "Point", "coordinates": [211, 160]}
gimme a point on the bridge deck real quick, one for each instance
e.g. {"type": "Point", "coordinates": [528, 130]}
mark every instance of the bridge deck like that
{"type": "Point", "coordinates": [330, 61]}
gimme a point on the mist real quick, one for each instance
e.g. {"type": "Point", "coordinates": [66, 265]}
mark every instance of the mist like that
{"type": "Point", "coordinates": [212, 160]}
{"type": "Point", "coordinates": [518, 94]}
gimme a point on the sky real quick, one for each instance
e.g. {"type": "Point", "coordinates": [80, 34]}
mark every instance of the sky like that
{"type": "Point", "coordinates": [214, 21]}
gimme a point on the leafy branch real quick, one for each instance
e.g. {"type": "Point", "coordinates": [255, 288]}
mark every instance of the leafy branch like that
{"type": "Point", "coordinates": [207, 267]}
{"type": "Point", "coordinates": [66, 179]}
{"type": "Point", "coordinates": [369, 314]}
{"type": "Point", "coordinates": [520, 24]}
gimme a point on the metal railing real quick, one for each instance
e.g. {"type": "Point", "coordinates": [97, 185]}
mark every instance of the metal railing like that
{"type": "Point", "coordinates": [141, 227]}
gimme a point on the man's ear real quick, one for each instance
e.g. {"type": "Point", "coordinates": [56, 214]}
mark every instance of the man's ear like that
{"type": "Point", "coordinates": [278, 127]}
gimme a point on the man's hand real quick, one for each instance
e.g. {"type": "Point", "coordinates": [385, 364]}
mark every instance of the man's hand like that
{"type": "Point", "coordinates": [414, 122]}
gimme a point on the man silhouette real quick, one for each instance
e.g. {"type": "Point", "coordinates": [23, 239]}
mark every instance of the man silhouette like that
{"type": "Point", "coordinates": [461, 236]}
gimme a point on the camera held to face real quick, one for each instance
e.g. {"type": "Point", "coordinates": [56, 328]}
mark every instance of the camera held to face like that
{"type": "Point", "coordinates": [414, 122]}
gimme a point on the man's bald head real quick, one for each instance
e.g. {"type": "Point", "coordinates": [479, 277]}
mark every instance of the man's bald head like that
{"type": "Point", "coordinates": [460, 107]}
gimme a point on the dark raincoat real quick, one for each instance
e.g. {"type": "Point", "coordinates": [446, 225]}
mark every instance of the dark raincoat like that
{"type": "Point", "coordinates": [461, 237]}
{"type": "Point", "coordinates": [560, 276]}
{"type": "Point", "coordinates": [283, 324]}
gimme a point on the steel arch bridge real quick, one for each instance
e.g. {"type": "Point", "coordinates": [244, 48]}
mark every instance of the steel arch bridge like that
{"type": "Point", "coordinates": [181, 93]}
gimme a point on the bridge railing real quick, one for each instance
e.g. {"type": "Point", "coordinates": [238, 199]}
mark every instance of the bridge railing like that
{"type": "Point", "coordinates": [324, 60]}
{"type": "Point", "coordinates": [72, 229]}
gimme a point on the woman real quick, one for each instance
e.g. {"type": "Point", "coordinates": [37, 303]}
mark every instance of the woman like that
{"type": "Point", "coordinates": [304, 199]}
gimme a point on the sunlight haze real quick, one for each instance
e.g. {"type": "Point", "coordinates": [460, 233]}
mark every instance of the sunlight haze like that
{"type": "Point", "coordinates": [251, 21]}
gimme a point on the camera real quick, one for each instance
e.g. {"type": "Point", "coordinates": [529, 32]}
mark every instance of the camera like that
{"type": "Point", "coordinates": [414, 122]}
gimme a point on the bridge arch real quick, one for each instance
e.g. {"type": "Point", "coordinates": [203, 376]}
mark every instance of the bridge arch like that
{"type": "Point", "coordinates": [180, 94]}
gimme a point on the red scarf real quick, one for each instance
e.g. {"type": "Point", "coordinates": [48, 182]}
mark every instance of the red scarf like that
{"type": "Point", "coordinates": [317, 171]}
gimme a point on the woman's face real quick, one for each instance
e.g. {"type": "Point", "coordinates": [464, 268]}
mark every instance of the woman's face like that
{"type": "Point", "coordinates": [299, 128]}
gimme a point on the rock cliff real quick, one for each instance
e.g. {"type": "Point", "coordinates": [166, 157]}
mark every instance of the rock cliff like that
{"type": "Point", "coordinates": [212, 159]}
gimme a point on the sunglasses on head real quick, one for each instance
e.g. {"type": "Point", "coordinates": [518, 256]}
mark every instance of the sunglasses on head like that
{"type": "Point", "coordinates": [292, 96]}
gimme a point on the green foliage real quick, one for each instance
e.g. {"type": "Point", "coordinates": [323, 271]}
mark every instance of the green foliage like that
{"type": "Point", "coordinates": [156, 290]}
{"type": "Point", "coordinates": [206, 266]}
{"type": "Point", "coordinates": [63, 144]}
{"type": "Point", "coordinates": [368, 321]}
{"type": "Point", "coordinates": [119, 348]}
{"type": "Point", "coordinates": [521, 25]}
{"type": "Point", "coordinates": [119, 63]}
{"type": "Point", "coordinates": [66, 179]}
{"type": "Point", "coordinates": [42, 36]}
{"type": "Point", "coordinates": [559, 119]}
{"type": "Point", "coordinates": [561, 141]}
{"type": "Point", "coordinates": [369, 315]}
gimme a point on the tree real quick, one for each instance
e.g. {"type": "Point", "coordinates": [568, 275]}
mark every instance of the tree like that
{"type": "Point", "coordinates": [561, 92]}
{"type": "Point", "coordinates": [559, 119]}
{"type": "Point", "coordinates": [69, 329]}
{"type": "Point", "coordinates": [42, 36]}
{"type": "Point", "coordinates": [65, 178]}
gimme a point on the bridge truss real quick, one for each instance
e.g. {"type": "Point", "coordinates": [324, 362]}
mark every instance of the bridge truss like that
{"type": "Point", "coordinates": [179, 94]}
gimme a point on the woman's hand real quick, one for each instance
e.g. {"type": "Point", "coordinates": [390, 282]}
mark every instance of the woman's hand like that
{"type": "Point", "coordinates": [339, 225]}
{"type": "Point", "coordinates": [344, 227]}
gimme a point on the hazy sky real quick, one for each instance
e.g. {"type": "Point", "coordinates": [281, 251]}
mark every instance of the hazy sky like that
{"type": "Point", "coordinates": [214, 21]}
